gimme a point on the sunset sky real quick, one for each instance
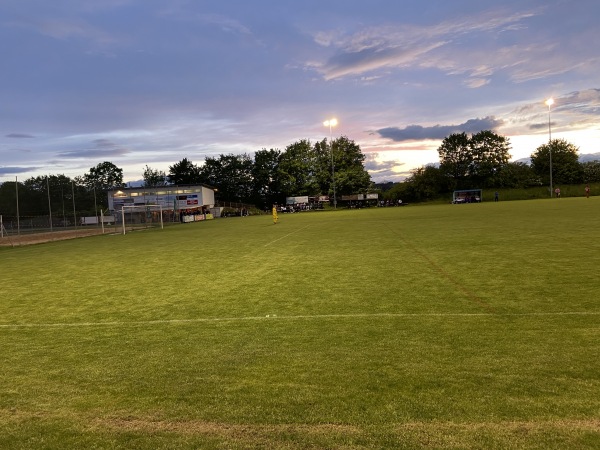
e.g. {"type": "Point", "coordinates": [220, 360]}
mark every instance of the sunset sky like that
{"type": "Point", "coordinates": [149, 82]}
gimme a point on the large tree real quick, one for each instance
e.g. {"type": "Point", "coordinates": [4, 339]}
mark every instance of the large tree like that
{"type": "Point", "coordinates": [230, 174]}
{"type": "Point", "coordinates": [296, 170]}
{"type": "Point", "coordinates": [104, 177]}
{"type": "Point", "coordinates": [591, 171]}
{"type": "Point", "coordinates": [265, 184]}
{"type": "Point", "coordinates": [515, 175]}
{"type": "Point", "coordinates": [351, 177]}
{"type": "Point", "coordinates": [100, 179]}
{"type": "Point", "coordinates": [184, 172]}
{"type": "Point", "coordinates": [474, 160]}
{"type": "Point", "coordinates": [566, 168]}
{"type": "Point", "coordinates": [50, 194]}
{"type": "Point", "coordinates": [455, 158]}
{"type": "Point", "coordinates": [424, 183]}
{"type": "Point", "coordinates": [9, 190]}
{"type": "Point", "coordinates": [42, 194]}
{"type": "Point", "coordinates": [154, 177]}
{"type": "Point", "coordinates": [490, 153]}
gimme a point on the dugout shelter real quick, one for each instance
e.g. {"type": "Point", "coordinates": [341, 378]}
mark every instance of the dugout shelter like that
{"type": "Point", "coordinates": [466, 196]}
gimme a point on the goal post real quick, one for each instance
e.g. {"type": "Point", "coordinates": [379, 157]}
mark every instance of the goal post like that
{"type": "Point", "coordinates": [139, 217]}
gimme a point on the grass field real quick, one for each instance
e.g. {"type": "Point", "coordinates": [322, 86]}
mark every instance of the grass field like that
{"type": "Point", "coordinates": [448, 326]}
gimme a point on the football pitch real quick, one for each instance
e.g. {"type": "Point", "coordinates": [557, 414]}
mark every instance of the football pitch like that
{"type": "Point", "coordinates": [445, 326]}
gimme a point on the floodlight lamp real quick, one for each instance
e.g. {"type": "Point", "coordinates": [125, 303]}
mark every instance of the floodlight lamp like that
{"type": "Point", "coordinates": [549, 102]}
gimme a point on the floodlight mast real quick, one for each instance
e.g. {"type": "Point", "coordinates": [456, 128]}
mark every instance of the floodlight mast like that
{"type": "Point", "coordinates": [550, 102]}
{"type": "Point", "coordinates": [332, 123]}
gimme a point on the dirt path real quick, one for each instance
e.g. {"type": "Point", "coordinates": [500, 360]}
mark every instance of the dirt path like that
{"type": "Point", "coordinates": [39, 238]}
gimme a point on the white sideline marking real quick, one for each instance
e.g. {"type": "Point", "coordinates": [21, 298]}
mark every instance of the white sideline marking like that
{"type": "Point", "coordinates": [276, 317]}
{"type": "Point", "coordinates": [283, 237]}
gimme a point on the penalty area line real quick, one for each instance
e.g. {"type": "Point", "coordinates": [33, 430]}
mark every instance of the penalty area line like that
{"type": "Point", "coordinates": [295, 317]}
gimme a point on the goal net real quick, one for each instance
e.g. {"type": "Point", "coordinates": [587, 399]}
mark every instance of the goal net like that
{"type": "Point", "coordinates": [141, 217]}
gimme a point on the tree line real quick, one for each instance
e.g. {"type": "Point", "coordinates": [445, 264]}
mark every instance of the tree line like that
{"type": "Point", "coordinates": [60, 194]}
{"type": "Point", "coordinates": [302, 169]}
{"type": "Point", "coordinates": [482, 161]}
{"type": "Point", "coordinates": [267, 177]}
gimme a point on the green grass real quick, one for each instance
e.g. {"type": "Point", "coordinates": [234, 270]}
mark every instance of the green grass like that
{"type": "Point", "coordinates": [533, 193]}
{"type": "Point", "coordinates": [446, 326]}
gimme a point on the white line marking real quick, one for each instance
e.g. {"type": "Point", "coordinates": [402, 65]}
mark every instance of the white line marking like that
{"type": "Point", "coordinates": [283, 237]}
{"type": "Point", "coordinates": [298, 317]}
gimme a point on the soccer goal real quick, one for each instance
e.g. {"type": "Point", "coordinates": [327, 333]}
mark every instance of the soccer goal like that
{"type": "Point", "coordinates": [141, 217]}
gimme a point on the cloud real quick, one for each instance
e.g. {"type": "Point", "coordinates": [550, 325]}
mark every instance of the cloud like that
{"type": "Point", "coordinates": [389, 170]}
{"type": "Point", "coordinates": [226, 24]}
{"type": "Point", "coordinates": [20, 136]}
{"type": "Point", "coordinates": [584, 102]}
{"type": "Point", "coordinates": [575, 108]}
{"type": "Point", "coordinates": [476, 82]}
{"type": "Point", "coordinates": [410, 46]}
{"type": "Point", "coordinates": [370, 59]}
{"type": "Point", "coordinates": [15, 170]}
{"type": "Point", "coordinates": [418, 132]}
{"type": "Point", "coordinates": [539, 126]}
{"type": "Point", "coordinates": [70, 28]}
{"type": "Point", "coordinates": [101, 148]}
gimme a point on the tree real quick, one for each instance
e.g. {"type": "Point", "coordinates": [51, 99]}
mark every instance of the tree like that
{"type": "Point", "coordinates": [424, 183]}
{"type": "Point", "coordinates": [154, 178]}
{"type": "Point", "coordinates": [591, 171]}
{"type": "Point", "coordinates": [49, 193]}
{"type": "Point", "coordinates": [184, 172]}
{"type": "Point", "coordinates": [97, 182]}
{"type": "Point", "coordinates": [474, 160]}
{"type": "Point", "coordinates": [42, 194]}
{"type": "Point", "coordinates": [265, 184]}
{"type": "Point", "coordinates": [104, 177]}
{"type": "Point", "coordinates": [230, 174]}
{"type": "Point", "coordinates": [455, 158]}
{"type": "Point", "coordinates": [566, 168]}
{"type": "Point", "coordinates": [351, 176]}
{"type": "Point", "coordinates": [296, 170]}
{"type": "Point", "coordinates": [8, 198]}
{"type": "Point", "coordinates": [516, 175]}
{"type": "Point", "coordinates": [489, 153]}
{"type": "Point", "coordinates": [323, 167]}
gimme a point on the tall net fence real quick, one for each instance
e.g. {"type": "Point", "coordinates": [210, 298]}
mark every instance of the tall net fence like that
{"type": "Point", "coordinates": [14, 226]}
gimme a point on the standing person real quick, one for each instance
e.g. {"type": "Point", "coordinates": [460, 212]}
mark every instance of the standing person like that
{"type": "Point", "coordinates": [587, 191]}
{"type": "Point", "coordinates": [496, 196]}
{"type": "Point", "coordinates": [275, 215]}
{"type": "Point", "coordinates": [557, 192]}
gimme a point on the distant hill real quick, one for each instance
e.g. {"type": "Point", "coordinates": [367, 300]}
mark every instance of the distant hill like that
{"type": "Point", "coordinates": [582, 158]}
{"type": "Point", "coordinates": [589, 157]}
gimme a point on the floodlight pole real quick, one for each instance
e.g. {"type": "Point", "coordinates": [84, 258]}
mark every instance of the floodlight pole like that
{"type": "Point", "coordinates": [550, 102]}
{"type": "Point", "coordinates": [18, 218]}
{"type": "Point", "coordinates": [49, 203]}
{"type": "Point", "coordinates": [73, 195]}
{"type": "Point", "coordinates": [332, 123]}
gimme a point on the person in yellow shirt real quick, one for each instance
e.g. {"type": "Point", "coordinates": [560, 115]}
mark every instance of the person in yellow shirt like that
{"type": "Point", "coordinates": [274, 214]}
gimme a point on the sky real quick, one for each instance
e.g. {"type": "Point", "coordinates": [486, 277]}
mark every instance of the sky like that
{"type": "Point", "coordinates": [150, 82]}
